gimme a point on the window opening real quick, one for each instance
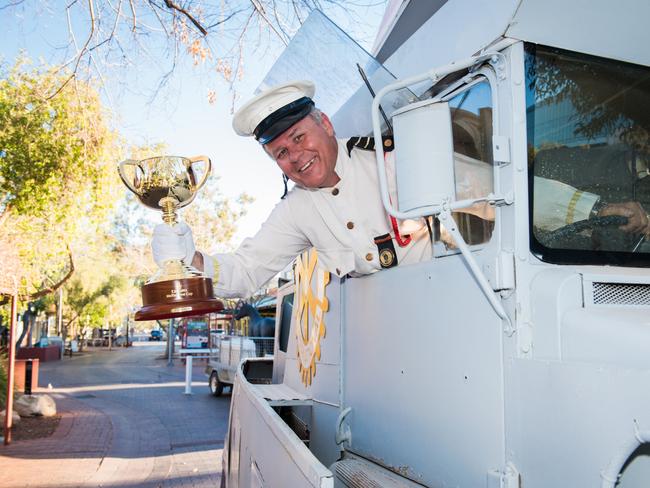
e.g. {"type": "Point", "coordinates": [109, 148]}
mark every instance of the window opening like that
{"type": "Point", "coordinates": [471, 115]}
{"type": "Point", "coordinates": [588, 125]}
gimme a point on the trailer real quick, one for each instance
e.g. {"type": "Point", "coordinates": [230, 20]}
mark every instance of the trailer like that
{"type": "Point", "coordinates": [519, 354]}
{"type": "Point", "coordinates": [229, 351]}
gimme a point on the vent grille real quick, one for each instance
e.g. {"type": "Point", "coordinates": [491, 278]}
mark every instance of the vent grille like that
{"type": "Point", "coordinates": [354, 473]}
{"type": "Point", "coordinates": [621, 294]}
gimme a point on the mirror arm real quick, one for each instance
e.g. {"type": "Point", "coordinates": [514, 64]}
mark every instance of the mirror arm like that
{"type": "Point", "coordinates": [491, 199]}
{"type": "Point", "coordinates": [450, 224]}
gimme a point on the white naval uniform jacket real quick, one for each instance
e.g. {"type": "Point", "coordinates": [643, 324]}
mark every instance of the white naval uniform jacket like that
{"type": "Point", "coordinates": [341, 222]}
{"type": "Point", "coordinates": [557, 204]}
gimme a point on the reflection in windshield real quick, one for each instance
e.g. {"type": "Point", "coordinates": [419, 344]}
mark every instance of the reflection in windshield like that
{"type": "Point", "coordinates": [589, 151]}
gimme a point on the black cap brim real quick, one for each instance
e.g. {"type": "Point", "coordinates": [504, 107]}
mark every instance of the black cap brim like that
{"type": "Point", "coordinates": [283, 118]}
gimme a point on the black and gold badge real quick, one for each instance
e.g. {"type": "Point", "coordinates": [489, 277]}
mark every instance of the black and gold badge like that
{"type": "Point", "coordinates": [386, 249]}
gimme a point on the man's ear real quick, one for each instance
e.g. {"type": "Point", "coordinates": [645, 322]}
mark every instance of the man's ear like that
{"type": "Point", "coordinates": [327, 124]}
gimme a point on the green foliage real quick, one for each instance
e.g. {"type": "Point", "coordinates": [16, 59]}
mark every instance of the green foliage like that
{"type": "Point", "coordinates": [53, 150]}
{"type": "Point", "coordinates": [91, 305]}
{"type": "Point", "coordinates": [57, 174]}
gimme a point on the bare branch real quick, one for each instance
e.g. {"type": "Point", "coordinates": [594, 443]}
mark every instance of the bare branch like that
{"type": "Point", "coordinates": [262, 14]}
{"type": "Point", "coordinates": [51, 289]}
{"type": "Point", "coordinates": [297, 11]}
{"type": "Point", "coordinates": [171, 5]}
{"type": "Point", "coordinates": [80, 55]}
{"type": "Point", "coordinates": [160, 20]}
{"type": "Point", "coordinates": [12, 4]}
{"type": "Point", "coordinates": [127, 35]}
{"type": "Point", "coordinates": [223, 21]}
{"type": "Point", "coordinates": [278, 19]}
{"type": "Point", "coordinates": [110, 37]}
{"type": "Point", "coordinates": [240, 51]}
{"type": "Point", "coordinates": [135, 18]}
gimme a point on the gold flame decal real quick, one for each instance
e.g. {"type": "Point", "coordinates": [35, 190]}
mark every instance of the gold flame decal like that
{"type": "Point", "coordinates": [312, 304]}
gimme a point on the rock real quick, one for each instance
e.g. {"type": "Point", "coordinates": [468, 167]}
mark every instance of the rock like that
{"type": "Point", "coordinates": [15, 418]}
{"type": "Point", "coordinates": [35, 405]}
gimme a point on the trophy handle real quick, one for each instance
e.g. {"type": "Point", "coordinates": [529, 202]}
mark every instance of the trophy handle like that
{"type": "Point", "coordinates": [207, 170]}
{"type": "Point", "coordinates": [120, 170]}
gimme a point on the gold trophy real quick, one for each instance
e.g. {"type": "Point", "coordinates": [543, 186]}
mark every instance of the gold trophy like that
{"type": "Point", "coordinates": [168, 183]}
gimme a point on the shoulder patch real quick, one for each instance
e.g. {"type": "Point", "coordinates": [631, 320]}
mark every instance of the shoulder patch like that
{"type": "Point", "coordinates": [368, 143]}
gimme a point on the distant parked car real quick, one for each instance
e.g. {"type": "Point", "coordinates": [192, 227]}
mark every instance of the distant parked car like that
{"type": "Point", "coordinates": [156, 335]}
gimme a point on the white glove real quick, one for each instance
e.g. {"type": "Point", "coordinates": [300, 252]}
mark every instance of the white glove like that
{"type": "Point", "coordinates": [172, 243]}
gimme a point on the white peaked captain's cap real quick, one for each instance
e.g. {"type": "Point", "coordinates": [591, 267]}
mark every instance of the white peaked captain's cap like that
{"type": "Point", "coordinates": [273, 111]}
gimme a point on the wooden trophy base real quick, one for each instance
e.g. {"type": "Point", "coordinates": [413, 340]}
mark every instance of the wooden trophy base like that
{"type": "Point", "coordinates": [181, 297]}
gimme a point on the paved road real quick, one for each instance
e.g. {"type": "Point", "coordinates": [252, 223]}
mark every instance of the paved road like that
{"type": "Point", "coordinates": [126, 423]}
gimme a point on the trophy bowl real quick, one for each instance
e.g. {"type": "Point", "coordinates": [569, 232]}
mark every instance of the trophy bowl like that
{"type": "Point", "coordinates": [167, 183]}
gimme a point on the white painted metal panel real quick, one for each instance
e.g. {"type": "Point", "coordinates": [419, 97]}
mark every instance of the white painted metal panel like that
{"type": "Point", "coordinates": [322, 433]}
{"type": "Point", "coordinates": [425, 375]}
{"type": "Point", "coordinates": [324, 387]}
{"type": "Point", "coordinates": [607, 336]}
{"type": "Point", "coordinates": [611, 29]}
{"type": "Point", "coordinates": [552, 291]}
{"type": "Point", "coordinates": [458, 30]}
{"type": "Point", "coordinates": [567, 420]}
{"type": "Point", "coordinates": [281, 395]}
{"type": "Point", "coordinates": [269, 442]}
{"type": "Point", "coordinates": [461, 28]}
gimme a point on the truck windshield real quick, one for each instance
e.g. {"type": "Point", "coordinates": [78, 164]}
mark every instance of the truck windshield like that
{"type": "Point", "coordinates": [588, 124]}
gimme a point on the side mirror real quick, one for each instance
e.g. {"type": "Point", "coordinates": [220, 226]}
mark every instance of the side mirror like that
{"type": "Point", "coordinates": [424, 154]}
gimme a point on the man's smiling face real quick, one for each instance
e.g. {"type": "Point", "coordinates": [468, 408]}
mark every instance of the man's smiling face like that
{"type": "Point", "coordinates": [306, 152]}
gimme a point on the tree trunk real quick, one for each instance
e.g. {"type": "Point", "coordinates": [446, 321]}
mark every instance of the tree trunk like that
{"type": "Point", "coordinates": [26, 326]}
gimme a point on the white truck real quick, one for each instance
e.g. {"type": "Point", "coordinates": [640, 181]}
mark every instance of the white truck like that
{"type": "Point", "coordinates": [227, 352]}
{"type": "Point", "coordinates": [519, 355]}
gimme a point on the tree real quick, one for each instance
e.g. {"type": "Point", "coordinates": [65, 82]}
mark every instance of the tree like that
{"type": "Point", "coordinates": [57, 176]}
{"type": "Point", "coordinates": [105, 35]}
{"type": "Point", "coordinates": [90, 305]}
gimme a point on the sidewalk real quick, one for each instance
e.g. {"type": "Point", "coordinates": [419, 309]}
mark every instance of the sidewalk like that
{"type": "Point", "coordinates": [131, 427]}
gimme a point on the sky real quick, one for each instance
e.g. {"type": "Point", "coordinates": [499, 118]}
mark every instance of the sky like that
{"type": "Point", "coordinates": [180, 116]}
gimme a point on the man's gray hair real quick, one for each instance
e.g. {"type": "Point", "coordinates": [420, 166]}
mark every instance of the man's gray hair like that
{"type": "Point", "coordinates": [316, 114]}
